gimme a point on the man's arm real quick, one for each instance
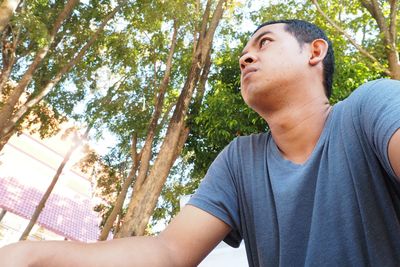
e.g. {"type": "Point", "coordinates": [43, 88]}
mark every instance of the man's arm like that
{"type": "Point", "coordinates": [394, 153]}
{"type": "Point", "coordinates": [185, 242]}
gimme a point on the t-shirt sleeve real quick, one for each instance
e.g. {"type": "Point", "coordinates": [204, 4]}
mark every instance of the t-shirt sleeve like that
{"type": "Point", "coordinates": [379, 111]}
{"type": "Point", "coordinates": [217, 194]}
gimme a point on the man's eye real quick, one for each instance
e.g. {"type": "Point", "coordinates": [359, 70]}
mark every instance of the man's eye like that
{"type": "Point", "coordinates": [264, 42]}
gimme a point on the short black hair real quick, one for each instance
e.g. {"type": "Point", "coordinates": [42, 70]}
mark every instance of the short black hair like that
{"type": "Point", "coordinates": [306, 32]}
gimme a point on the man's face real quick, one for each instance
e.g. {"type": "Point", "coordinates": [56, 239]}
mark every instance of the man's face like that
{"type": "Point", "coordinates": [271, 64]}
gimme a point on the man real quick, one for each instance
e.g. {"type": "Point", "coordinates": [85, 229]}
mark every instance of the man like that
{"type": "Point", "coordinates": [320, 189]}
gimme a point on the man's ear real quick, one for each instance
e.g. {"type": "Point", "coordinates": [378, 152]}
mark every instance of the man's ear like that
{"type": "Point", "coordinates": [319, 48]}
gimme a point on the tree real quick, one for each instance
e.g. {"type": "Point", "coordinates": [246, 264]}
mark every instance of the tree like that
{"type": "Point", "coordinates": [44, 56]}
{"type": "Point", "coordinates": [146, 99]}
{"type": "Point", "coordinates": [385, 31]}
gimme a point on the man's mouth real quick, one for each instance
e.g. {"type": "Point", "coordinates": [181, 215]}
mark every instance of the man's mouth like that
{"type": "Point", "coordinates": [248, 71]}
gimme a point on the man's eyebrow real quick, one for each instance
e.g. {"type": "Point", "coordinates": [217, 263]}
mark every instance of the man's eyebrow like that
{"type": "Point", "coordinates": [256, 40]}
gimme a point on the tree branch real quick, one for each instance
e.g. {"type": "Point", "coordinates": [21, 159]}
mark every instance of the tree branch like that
{"type": "Point", "coordinates": [7, 9]}
{"type": "Point", "coordinates": [134, 153]}
{"type": "Point", "coordinates": [147, 148]}
{"type": "Point", "coordinates": [201, 87]}
{"type": "Point", "coordinates": [196, 25]}
{"type": "Point", "coordinates": [201, 34]}
{"type": "Point", "coordinates": [393, 22]}
{"type": "Point", "coordinates": [8, 58]}
{"type": "Point", "coordinates": [8, 108]}
{"type": "Point", "coordinates": [9, 62]}
{"type": "Point", "coordinates": [376, 13]}
{"type": "Point", "coordinates": [206, 17]}
{"type": "Point", "coordinates": [211, 29]}
{"type": "Point", "coordinates": [389, 34]}
{"type": "Point", "coordinates": [351, 40]}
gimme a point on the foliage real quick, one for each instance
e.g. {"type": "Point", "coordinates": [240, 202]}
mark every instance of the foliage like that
{"type": "Point", "coordinates": [106, 179]}
{"type": "Point", "coordinates": [29, 32]}
{"type": "Point", "coordinates": [224, 115]}
{"type": "Point", "coordinates": [135, 58]}
{"type": "Point", "coordinates": [115, 86]}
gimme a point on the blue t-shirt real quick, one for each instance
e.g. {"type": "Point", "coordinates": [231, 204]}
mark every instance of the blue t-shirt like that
{"type": "Point", "coordinates": [339, 208]}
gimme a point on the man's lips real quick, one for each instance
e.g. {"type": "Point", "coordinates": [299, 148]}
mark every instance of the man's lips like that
{"type": "Point", "coordinates": [247, 71]}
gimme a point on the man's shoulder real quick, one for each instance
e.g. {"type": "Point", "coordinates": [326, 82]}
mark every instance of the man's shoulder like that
{"type": "Point", "coordinates": [375, 88]}
{"type": "Point", "coordinates": [369, 94]}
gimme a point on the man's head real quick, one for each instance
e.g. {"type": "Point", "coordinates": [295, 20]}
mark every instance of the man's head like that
{"type": "Point", "coordinates": [283, 62]}
{"type": "Point", "coordinates": [306, 32]}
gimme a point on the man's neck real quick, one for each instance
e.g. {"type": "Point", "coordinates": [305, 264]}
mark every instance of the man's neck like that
{"type": "Point", "coordinates": [296, 129]}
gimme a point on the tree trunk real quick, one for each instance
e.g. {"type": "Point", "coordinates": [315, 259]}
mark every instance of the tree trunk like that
{"type": "Point", "coordinates": [395, 71]}
{"type": "Point", "coordinates": [145, 199]}
{"type": "Point", "coordinates": [7, 9]}
{"type": "Point", "coordinates": [2, 214]}
{"type": "Point", "coordinates": [46, 195]}
{"type": "Point", "coordinates": [388, 30]}
{"type": "Point", "coordinates": [7, 137]}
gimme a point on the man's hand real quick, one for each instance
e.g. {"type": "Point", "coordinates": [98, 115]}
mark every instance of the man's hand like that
{"type": "Point", "coordinates": [394, 153]}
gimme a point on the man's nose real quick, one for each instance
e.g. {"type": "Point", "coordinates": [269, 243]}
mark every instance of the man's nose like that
{"type": "Point", "coordinates": [245, 60]}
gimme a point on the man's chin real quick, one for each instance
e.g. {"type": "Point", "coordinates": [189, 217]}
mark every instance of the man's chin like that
{"type": "Point", "coordinates": [252, 102]}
